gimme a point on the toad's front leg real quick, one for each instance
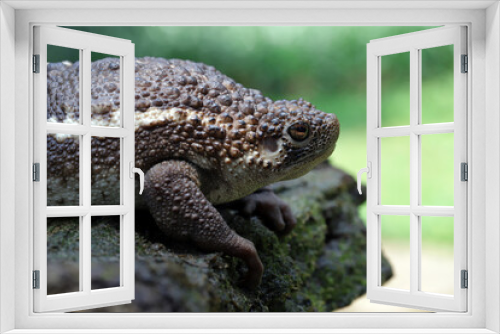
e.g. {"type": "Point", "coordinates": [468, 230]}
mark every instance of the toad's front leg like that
{"type": "Point", "coordinates": [182, 212]}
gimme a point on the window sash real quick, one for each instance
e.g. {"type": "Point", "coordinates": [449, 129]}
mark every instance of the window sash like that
{"type": "Point", "coordinates": [413, 43]}
{"type": "Point", "coordinates": [86, 298]}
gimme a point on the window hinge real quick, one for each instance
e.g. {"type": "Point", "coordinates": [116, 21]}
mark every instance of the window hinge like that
{"type": "Point", "coordinates": [36, 172]}
{"type": "Point", "coordinates": [36, 279]}
{"type": "Point", "coordinates": [464, 279]}
{"type": "Point", "coordinates": [36, 63]}
{"type": "Point", "coordinates": [464, 171]}
{"type": "Point", "coordinates": [465, 64]}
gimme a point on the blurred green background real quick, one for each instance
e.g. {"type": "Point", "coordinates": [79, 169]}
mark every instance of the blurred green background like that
{"type": "Point", "coordinates": [327, 66]}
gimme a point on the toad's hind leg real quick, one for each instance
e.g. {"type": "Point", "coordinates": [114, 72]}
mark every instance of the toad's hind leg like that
{"type": "Point", "coordinates": [182, 212]}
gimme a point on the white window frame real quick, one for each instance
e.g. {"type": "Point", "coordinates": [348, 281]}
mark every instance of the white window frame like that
{"type": "Point", "coordinates": [85, 44]}
{"type": "Point", "coordinates": [16, 21]}
{"type": "Point", "coordinates": [413, 44]}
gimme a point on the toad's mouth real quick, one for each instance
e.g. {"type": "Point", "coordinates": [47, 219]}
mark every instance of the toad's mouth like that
{"type": "Point", "coordinates": [302, 167]}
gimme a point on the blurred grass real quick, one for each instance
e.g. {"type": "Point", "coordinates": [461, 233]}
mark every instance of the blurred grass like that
{"type": "Point", "coordinates": [327, 66]}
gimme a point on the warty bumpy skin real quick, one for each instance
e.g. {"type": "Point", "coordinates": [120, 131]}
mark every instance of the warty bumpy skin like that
{"type": "Point", "coordinates": [201, 138]}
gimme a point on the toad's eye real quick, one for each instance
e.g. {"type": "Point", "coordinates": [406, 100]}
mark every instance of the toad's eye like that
{"type": "Point", "coordinates": [299, 131]}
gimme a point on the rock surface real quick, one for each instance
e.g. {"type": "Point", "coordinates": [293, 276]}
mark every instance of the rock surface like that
{"type": "Point", "coordinates": [320, 266]}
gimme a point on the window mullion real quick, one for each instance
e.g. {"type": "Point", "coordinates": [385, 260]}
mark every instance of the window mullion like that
{"type": "Point", "coordinates": [414, 170]}
{"type": "Point", "coordinates": [85, 115]}
{"type": "Point", "coordinates": [98, 131]}
{"type": "Point", "coordinates": [85, 181]}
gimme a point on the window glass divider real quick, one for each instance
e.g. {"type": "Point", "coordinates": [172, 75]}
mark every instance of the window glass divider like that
{"type": "Point", "coordinates": [414, 168]}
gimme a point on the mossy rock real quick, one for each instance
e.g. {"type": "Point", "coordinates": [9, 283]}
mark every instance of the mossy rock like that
{"type": "Point", "coordinates": [320, 266]}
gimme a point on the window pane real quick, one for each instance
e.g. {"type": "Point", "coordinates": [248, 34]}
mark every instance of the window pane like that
{"type": "Point", "coordinates": [105, 171]}
{"type": "Point", "coordinates": [63, 169]}
{"type": "Point", "coordinates": [63, 254]}
{"type": "Point", "coordinates": [437, 169]}
{"type": "Point", "coordinates": [395, 232]}
{"type": "Point", "coordinates": [437, 255]}
{"type": "Point", "coordinates": [105, 90]}
{"type": "Point", "coordinates": [395, 94]}
{"type": "Point", "coordinates": [105, 252]}
{"type": "Point", "coordinates": [437, 84]}
{"type": "Point", "coordinates": [63, 85]}
{"type": "Point", "coordinates": [395, 170]}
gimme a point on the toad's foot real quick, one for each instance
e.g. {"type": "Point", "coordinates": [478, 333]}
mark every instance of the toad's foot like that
{"type": "Point", "coordinates": [182, 212]}
{"type": "Point", "coordinates": [271, 210]}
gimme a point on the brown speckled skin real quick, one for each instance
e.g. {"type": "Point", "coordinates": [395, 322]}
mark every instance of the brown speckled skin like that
{"type": "Point", "coordinates": [201, 139]}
